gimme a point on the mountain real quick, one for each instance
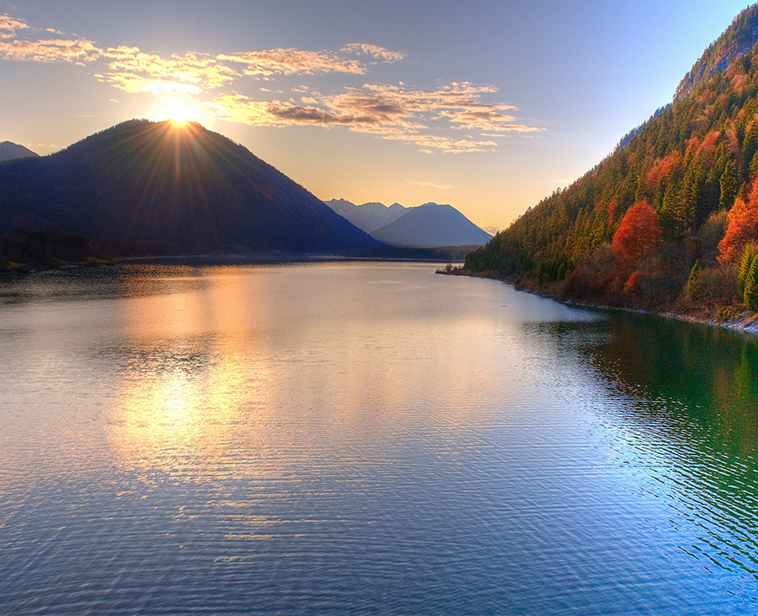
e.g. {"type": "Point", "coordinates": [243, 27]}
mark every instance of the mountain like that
{"type": "Point", "coordinates": [162, 188]}
{"type": "Point", "coordinates": [12, 151]}
{"type": "Point", "coordinates": [670, 220]}
{"type": "Point", "coordinates": [369, 216]}
{"type": "Point", "coordinates": [736, 41]}
{"type": "Point", "coordinates": [432, 225]}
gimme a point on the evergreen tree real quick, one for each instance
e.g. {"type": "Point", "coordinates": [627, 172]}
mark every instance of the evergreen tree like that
{"type": "Point", "coordinates": [750, 294]}
{"type": "Point", "coordinates": [729, 184]}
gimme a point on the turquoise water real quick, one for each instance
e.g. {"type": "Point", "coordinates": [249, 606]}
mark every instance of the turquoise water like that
{"type": "Point", "coordinates": [368, 439]}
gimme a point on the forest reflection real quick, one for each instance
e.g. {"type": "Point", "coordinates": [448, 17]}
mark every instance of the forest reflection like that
{"type": "Point", "coordinates": [711, 373]}
{"type": "Point", "coordinates": [684, 407]}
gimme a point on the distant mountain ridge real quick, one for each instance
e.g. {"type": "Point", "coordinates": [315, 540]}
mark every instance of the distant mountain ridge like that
{"type": "Point", "coordinates": [13, 151]}
{"type": "Point", "coordinates": [158, 188]}
{"type": "Point", "coordinates": [432, 224]}
{"type": "Point", "coordinates": [428, 225]}
{"type": "Point", "coordinates": [368, 216]}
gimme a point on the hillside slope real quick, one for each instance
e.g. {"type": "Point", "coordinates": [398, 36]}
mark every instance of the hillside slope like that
{"type": "Point", "coordinates": [668, 222]}
{"type": "Point", "coordinates": [12, 151]}
{"type": "Point", "coordinates": [160, 188]}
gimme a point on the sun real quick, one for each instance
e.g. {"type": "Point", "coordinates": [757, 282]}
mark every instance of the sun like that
{"type": "Point", "coordinates": [179, 110]}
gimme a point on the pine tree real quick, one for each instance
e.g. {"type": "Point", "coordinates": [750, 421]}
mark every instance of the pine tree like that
{"type": "Point", "coordinates": [694, 274]}
{"type": "Point", "coordinates": [729, 184]}
{"type": "Point", "coordinates": [746, 260]}
{"type": "Point", "coordinates": [750, 295]}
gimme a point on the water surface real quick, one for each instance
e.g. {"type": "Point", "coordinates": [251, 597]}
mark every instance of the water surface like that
{"type": "Point", "coordinates": [366, 438]}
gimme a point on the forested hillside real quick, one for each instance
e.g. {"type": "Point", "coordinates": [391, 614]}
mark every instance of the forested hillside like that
{"type": "Point", "coordinates": [670, 219]}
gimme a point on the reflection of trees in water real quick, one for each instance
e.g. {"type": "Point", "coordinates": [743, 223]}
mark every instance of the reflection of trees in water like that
{"type": "Point", "coordinates": [709, 374]}
{"type": "Point", "coordinates": [688, 396]}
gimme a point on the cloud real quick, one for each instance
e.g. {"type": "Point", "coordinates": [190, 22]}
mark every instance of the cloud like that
{"type": "Point", "coordinates": [564, 181]}
{"type": "Point", "coordinates": [491, 119]}
{"type": "Point", "coordinates": [427, 118]}
{"type": "Point", "coordinates": [435, 185]}
{"type": "Point", "coordinates": [9, 26]}
{"type": "Point", "coordinates": [300, 62]}
{"type": "Point", "coordinates": [73, 50]}
{"type": "Point", "coordinates": [293, 61]}
{"type": "Point", "coordinates": [428, 143]}
{"type": "Point", "coordinates": [134, 71]}
{"type": "Point", "coordinates": [392, 112]}
{"type": "Point", "coordinates": [77, 51]}
{"type": "Point", "coordinates": [380, 53]}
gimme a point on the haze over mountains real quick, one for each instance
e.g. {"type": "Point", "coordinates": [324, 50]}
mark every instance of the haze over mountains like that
{"type": "Point", "coordinates": [162, 188]}
{"type": "Point", "coordinates": [427, 225]}
{"type": "Point", "coordinates": [669, 220]}
{"type": "Point", "coordinates": [12, 151]}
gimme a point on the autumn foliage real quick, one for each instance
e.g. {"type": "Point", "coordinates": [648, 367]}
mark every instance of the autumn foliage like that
{"type": "Point", "coordinates": [679, 190]}
{"type": "Point", "coordinates": [662, 169]}
{"type": "Point", "coordinates": [742, 227]}
{"type": "Point", "coordinates": [638, 234]}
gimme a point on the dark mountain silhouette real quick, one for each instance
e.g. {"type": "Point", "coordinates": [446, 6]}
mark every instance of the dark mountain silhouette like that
{"type": "Point", "coordinates": [161, 188]}
{"type": "Point", "coordinates": [432, 225]}
{"type": "Point", "coordinates": [12, 151]}
{"type": "Point", "coordinates": [670, 220]}
{"type": "Point", "coordinates": [369, 216]}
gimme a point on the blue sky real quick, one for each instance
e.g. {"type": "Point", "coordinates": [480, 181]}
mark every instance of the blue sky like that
{"type": "Point", "coordinates": [488, 106]}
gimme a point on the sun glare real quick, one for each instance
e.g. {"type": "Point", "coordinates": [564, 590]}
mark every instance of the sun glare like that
{"type": "Point", "coordinates": [178, 110]}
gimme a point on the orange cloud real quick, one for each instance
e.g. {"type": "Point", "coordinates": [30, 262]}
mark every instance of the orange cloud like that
{"type": "Point", "coordinates": [486, 120]}
{"type": "Point", "coordinates": [388, 111]}
{"type": "Point", "coordinates": [78, 51]}
{"type": "Point", "coordinates": [134, 71]}
{"type": "Point", "coordinates": [293, 61]}
{"type": "Point", "coordinates": [9, 25]}
{"type": "Point", "coordinates": [380, 53]}
{"type": "Point", "coordinates": [435, 185]}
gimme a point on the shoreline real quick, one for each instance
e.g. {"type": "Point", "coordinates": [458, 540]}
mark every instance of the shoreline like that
{"type": "Point", "coordinates": [22, 269]}
{"type": "Point", "coordinates": [263, 259]}
{"type": "Point", "coordinates": [748, 324]}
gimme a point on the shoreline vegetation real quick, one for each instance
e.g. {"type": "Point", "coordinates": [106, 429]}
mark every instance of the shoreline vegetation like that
{"type": "Point", "coordinates": [734, 318]}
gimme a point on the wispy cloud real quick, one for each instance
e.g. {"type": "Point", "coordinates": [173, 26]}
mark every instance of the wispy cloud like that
{"type": "Point", "coordinates": [9, 26]}
{"type": "Point", "coordinates": [292, 62]}
{"type": "Point", "coordinates": [435, 185]}
{"type": "Point", "coordinates": [426, 118]}
{"type": "Point", "coordinates": [488, 119]}
{"type": "Point", "coordinates": [380, 53]}
{"type": "Point", "coordinates": [78, 51]}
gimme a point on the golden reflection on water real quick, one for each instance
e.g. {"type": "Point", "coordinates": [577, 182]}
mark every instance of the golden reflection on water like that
{"type": "Point", "coordinates": [237, 369]}
{"type": "Point", "coordinates": [186, 378]}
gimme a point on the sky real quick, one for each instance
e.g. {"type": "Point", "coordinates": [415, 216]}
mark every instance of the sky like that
{"type": "Point", "coordinates": [488, 105]}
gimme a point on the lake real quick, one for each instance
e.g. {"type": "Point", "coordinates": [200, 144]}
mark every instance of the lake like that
{"type": "Point", "coordinates": [366, 438]}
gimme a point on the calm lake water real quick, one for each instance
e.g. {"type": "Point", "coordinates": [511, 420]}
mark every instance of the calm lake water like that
{"type": "Point", "coordinates": [366, 439]}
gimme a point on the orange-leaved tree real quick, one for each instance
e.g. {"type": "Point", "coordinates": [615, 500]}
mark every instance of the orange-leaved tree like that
{"type": "Point", "coordinates": [638, 234]}
{"type": "Point", "coordinates": [742, 226]}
